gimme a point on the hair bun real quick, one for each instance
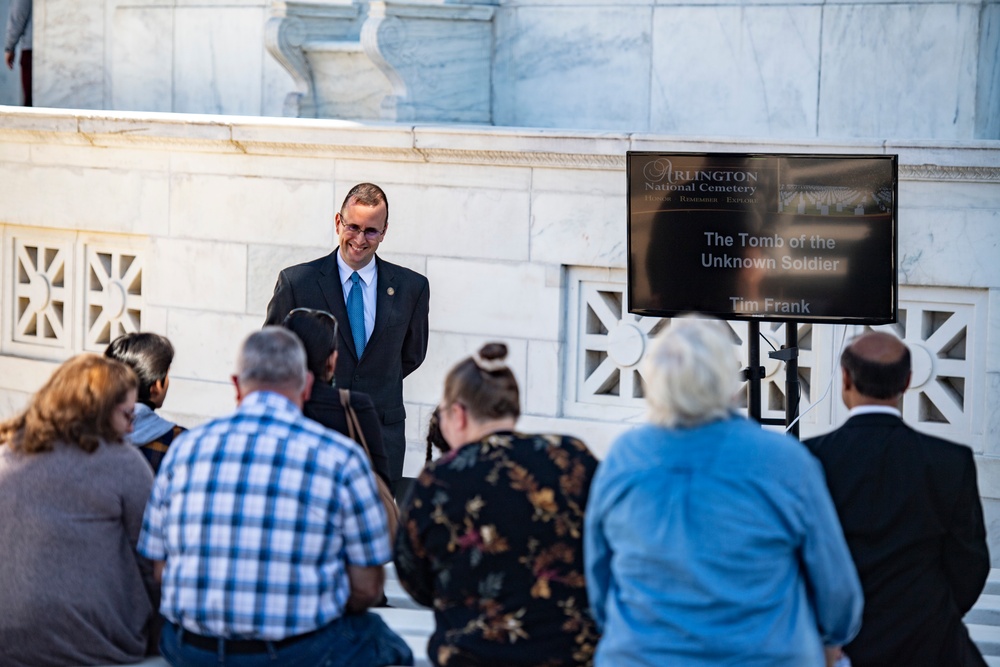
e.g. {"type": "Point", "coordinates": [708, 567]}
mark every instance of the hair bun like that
{"type": "Point", "coordinates": [490, 357]}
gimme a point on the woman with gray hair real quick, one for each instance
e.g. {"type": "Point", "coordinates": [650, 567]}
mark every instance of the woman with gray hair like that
{"type": "Point", "coordinates": [709, 541]}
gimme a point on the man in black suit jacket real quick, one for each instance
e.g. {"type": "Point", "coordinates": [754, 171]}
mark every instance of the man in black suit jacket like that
{"type": "Point", "coordinates": [909, 506]}
{"type": "Point", "coordinates": [396, 304]}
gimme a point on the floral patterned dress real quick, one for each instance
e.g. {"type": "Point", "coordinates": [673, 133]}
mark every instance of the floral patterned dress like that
{"type": "Point", "coordinates": [491, 538]}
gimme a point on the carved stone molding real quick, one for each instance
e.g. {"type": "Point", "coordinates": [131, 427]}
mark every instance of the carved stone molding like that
{"type": "Point", "coordinates": [437, 58]}
{"type": "Point", "coordinates": [525, 159]}
{"type": "Point", "coordinates": [290, 31]}
{"type": "Point", "coordinates": [409, 142]}
{"type": "Point", "coordinates": [283, 37]}
{"type": "Point", "coordinates": [346, 83]}
{"type": "Point", "coordinates": [934, 172]}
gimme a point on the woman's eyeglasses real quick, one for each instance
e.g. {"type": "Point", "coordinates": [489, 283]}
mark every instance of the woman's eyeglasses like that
{"type": "Point", "coordinates": [129, 415]}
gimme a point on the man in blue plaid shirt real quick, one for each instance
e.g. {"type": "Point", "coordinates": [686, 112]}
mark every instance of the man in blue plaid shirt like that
{"type": "Point", "coordinates": [267, 531]}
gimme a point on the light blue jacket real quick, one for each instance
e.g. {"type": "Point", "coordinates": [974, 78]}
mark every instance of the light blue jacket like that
{"type": "Point", "coordinates": [716, 545]}
{"type": "Point", "coordinates": [18, 25]}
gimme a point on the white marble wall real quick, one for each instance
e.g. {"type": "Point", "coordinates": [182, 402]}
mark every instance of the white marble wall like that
{"type": "Point", "coordinates": [175, 55]}
{"type": "Point", "coordinates": [513, 228]}
{"type": "Point", "coordinates": [751, 68]}
{"type": "Point", "coordinates": [925, 69]}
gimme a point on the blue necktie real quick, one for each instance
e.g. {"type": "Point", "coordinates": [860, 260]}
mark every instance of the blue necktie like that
{"type": "Point", "coordinates": [356, 313]}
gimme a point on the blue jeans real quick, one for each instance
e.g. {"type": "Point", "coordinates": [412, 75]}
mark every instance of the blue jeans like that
{"type": "Point", "coordinates": [356, 640]}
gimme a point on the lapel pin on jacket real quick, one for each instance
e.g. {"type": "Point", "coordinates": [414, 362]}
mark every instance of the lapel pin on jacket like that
{"type": "Point", "coordinates": [390, 291]}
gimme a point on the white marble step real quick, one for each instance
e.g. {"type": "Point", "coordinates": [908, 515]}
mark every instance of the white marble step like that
{"type": "Point", "coordinates": [986, 611]}
{"type": "Point", "coordinates": [415, 623]}
{"type": "Point", "coordinates": [993, 582]}
{"type": "Point", "coordinates": [983, 620]}
{"type": "Point", "coordinates": [987, 638]}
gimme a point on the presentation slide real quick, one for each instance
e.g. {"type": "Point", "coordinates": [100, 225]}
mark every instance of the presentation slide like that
{"type": "Point", "coordinates": [804, 238]}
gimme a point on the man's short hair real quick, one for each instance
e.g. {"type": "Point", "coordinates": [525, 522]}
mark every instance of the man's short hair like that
{"type": "Point", "coordinates": [875, 379]}
{"type": "Point", "coordinates": [367, 194]}
{"type": "Point", "coordinates": [272, 356]}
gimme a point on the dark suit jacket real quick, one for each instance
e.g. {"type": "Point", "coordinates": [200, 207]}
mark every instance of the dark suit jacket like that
{"type": "Point", "coordinates": [395, 349]}
{"type": "Point", "coordinates": [910, 509]}
{"type": "Point", "coordinates": [324, 407]}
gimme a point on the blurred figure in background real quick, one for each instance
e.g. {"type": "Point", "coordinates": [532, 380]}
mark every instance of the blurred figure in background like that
{"type": "Point", "coordinates": [491, 531]}
{"type": "Point", "coordinates": [150, 356]}
{"type": "Point", "coordinates": [72, 589]}
{"type": "Point", "coordinates": [19, 30]}
{"type": "Point", "coordinates": [710, 541]}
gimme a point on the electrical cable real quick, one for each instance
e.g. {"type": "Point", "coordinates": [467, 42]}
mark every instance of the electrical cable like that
{"type": "Point", "coordinates": [802, 413]}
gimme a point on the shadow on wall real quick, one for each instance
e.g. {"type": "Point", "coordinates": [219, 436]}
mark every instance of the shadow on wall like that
{"type": "Point", "coordinates": [10, 80]}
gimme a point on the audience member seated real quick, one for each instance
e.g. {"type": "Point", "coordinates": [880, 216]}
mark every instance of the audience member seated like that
{"type": "Point", "coordinates": [268, 532]}
{"type": "Point", "coordinates": [72, 589]}
{"type": "Point", "coordinates": [150, 356]}
{"type": "Point", "coordinates": [710, 541]}
{"type": "Point", "coordinates": [317, 329]}
{"type": "Point", "coordinates": [491, 532]}
{"type": "Point", "coordinates": [909, 506]}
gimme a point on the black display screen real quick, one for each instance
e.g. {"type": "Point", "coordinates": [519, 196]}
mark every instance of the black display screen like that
{"type": "Point", "coordinates": [804, 238]}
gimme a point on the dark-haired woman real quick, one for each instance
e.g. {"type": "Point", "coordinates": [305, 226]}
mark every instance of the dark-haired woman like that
{"type": "Point", "coordinates": [150, 356]}
{"type": "Point", "coordinates": [317, 329]}
{"type": "Point", "coordinates": [491, 533]}
{"type": "Point", "coordinates": [72, 589]}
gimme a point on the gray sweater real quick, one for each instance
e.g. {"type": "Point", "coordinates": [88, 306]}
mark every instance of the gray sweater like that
{"type": "Point", "coordinates": [18, 25]}
{"type": "Point", "coordinates": [72, 589]}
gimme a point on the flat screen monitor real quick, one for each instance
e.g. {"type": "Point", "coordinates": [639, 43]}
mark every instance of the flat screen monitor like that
{"type": "Point", "coordinates": [774, 237]}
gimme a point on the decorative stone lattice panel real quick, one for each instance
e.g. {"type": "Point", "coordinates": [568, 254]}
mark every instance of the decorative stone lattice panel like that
{"type": "Point", "coordinates": [604, 347]}
{"type": "Point", "coordinates": [113, 296]}
{"type": "Point", "coordinates": [611, 343]}
{"type": "Point", "coordinates": [65, 293]}
{"type": "Point", "coordinates": [41, 296]}
{"type": "Point", "coordinates": [945, 330]}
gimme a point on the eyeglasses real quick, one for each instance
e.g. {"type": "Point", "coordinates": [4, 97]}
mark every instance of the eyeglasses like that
{"type": "Point", "coordinates": [129, 415]}
{"type": "Point", "coordinates": [370, 232]}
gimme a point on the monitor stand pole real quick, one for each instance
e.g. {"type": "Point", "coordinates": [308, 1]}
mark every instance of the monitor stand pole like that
{"type": "Point", "coordinates": [754, 373]}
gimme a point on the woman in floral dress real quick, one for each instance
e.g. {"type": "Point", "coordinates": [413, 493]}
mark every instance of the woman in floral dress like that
{"type": "Point", "coordinates": [491, 533]}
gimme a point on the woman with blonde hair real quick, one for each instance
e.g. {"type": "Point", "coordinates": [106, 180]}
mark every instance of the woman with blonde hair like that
{"type": "Point", "coordinates": [491, 531]}
{"type": "Point", "coordinates": [72, 589]}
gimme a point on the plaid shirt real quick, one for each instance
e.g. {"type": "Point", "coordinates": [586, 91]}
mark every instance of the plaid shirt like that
{"type": "Point", "coordinates": [257, 516]}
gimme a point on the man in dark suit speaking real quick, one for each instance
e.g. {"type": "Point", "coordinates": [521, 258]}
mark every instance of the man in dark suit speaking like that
{"type": "Point", "coordinates": [910, 509]}
{"type": "Point", "coordinates": [386, 306]}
